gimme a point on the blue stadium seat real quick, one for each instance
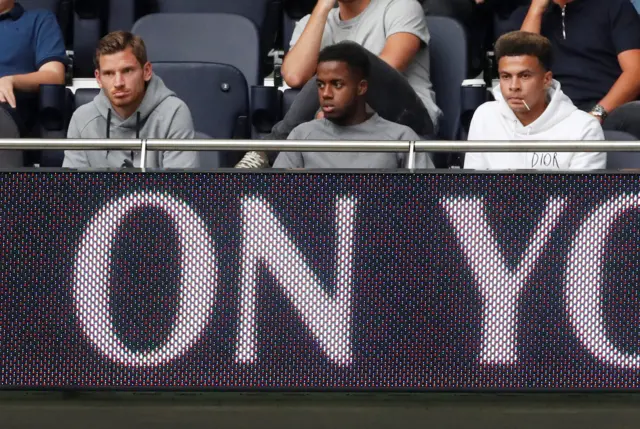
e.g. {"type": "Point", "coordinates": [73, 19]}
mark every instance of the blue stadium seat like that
{"type": "Point", "coordinates": [187, 38]}
{"type": "Point", "coordinates": [621, 160]}
{"type": "Point", "coordinates": [265, 14]}
{"type": "Point", "coordinates": [202, 37]}
{"type": "Point", "coordinates": [54, 158]}
{"type": "Point", "coordinates": [9, 130]}
{"type": "Point", "coordinates": [88, 27]}
{"type": "Point", "coordinates": [55, 107]}
{"type": "Point", "coordinates": [288, 97]}
{"type": "Point", "coordinates": [84, 96]}
{"type": "Point", "coordinates": [448, 50]}
{"type": "Point", "coordinates": [214, 79]}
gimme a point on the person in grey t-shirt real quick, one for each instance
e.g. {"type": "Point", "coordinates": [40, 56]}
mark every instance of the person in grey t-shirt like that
{"type": "Point", "coordinates": [342, 86]}
{"type": "Point", "coordinates": [393, 33]}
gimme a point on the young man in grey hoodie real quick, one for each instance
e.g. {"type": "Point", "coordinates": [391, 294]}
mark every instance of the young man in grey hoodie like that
{"type": "Point", "coordinates": [133, 103]}
{"type": "Point", "coordinates": [342, 73]}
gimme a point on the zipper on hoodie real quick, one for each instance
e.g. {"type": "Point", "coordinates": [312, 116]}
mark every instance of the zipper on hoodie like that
{"type": "Point", "coordinates": [564, 25]}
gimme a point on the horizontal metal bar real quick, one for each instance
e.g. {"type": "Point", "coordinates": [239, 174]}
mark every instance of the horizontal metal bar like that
{"type": "Point", "coordinates": [528, 146]}
{"type": "Point", "coordinates": [281, 145]}
{"type": "Point", "coordinates": [321, 146]}
{"type": "Point", "coordinates": [70, 144]}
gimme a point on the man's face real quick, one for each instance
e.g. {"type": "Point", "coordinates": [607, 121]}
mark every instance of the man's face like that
{"type": "Point", "coordinates": [123, 78]}
{"type": "Point", "coordinates": [523, 80]}
{"type": "Point", "coordinates": [339, 90]}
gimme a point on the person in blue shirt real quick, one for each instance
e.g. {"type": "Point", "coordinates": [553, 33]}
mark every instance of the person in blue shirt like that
{"type": "Point", "coordinates": [32, 53]}
{"type": "Point", "coordinates": [596, 50]}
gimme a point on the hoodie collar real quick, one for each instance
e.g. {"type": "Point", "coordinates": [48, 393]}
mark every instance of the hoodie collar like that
{"type": "Point", "coordinates": [156, 92]}
{"type": "Point", "coordinates": [559, 108]}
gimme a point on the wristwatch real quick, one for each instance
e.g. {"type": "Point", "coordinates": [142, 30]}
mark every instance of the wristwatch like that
{"type": "Point", "coordinates": [599, 112]}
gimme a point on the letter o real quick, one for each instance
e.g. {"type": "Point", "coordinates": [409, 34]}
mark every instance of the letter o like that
{"type": "Point", "coordinates": [198, 279]}
{"type": "Point", "coordinates": [584, 282]}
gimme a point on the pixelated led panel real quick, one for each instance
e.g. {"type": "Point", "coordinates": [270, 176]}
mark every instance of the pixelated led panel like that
{"type": "Point", "coordinates": [319, 281]}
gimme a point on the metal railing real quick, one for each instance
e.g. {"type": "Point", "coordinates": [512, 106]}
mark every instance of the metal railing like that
{"type": "Point", "coordinates": [145, 145]}
{"type": "Point", "coordinates": [322, 146]}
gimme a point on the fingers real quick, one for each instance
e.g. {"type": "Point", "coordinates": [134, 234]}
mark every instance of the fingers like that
{"type": "Point", "coordinates": [7, 96]}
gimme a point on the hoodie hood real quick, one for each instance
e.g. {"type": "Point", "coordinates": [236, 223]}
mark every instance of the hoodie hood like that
{"type": "Point", "coordinates": [155, 94]}
{"type": "Point", "coordinates": [561, 120]}
{"type": "Point", "coordinates": [559, 109]}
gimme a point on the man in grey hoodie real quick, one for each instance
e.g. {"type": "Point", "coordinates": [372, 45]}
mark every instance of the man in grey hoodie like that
{"type": "Point", "coordinates": [342, 73]}
{"type": "Point", "coordinates": [133, 103]}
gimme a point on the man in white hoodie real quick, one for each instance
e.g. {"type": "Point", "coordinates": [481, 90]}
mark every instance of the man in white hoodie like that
{"type": "Point", "coordinates": [530, 105]}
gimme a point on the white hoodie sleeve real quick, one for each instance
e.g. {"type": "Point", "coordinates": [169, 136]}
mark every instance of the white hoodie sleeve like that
{"type": "Point", "coordinates": [590, 160]}
{"type": "Point", "coordinates": [476, 160]}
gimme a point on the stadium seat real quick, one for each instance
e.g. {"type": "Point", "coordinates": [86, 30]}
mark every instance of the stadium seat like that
{"type": "Point", "coordinates": [88, 27]}
{"type": "Point", "coordinates": [54, 112]}
{"type": "Point", "coordinates": [187, 38]}
{"type": "Point", "coordinates": [621, 160]}
{"type": "Point", "coordinates": [84, 96]}
{"type": "Point", "coordinates": [9, 130]}
{"type": "Point", "coordinates": [288, 97]}
{"type": "Point", "coordinates": [265, 14]}
{"type": "Point", "coordinates": [205, 37]}
{"type": "Point", "coordinates": [209, 77]}
{"type": "Point", "coordinates": [448, 48]}
{"type": "Point", "coordinates": [56, 128]}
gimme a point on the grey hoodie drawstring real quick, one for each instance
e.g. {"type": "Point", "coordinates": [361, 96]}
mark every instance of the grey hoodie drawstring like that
{"type": "Point", "coordinates": [126, 163]}
{"type": "Point", "coordinates": [138, 125]}
{"type": "Point", "coordinates": [109, 123]}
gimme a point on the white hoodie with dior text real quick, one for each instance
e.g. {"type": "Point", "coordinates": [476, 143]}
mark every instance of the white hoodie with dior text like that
{"type": "Point", "coordinates": [495, 121]}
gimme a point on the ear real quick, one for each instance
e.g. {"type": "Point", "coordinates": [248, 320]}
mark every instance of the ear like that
{"type": "Point", "coordinates": [363, 87]}
{"type": "Point", "coordinates": [96, 73]}
{"type": "Point", "coordinates": [548, 78]}
{"type": "Point", "coordinates": [147, 71]}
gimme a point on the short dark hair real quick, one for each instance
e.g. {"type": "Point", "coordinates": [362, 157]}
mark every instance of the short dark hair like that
{"type": "Point", "coordinates": [119, 41]}
{"type": "Point", "coordinates": [347, 52]}
{"type": "Point", "coordinates": [518, 43]}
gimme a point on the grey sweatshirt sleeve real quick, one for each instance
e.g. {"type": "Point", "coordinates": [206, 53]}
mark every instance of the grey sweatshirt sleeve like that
{"type": "Point", "coordinates": [181, 128]}
{"type": "Point", "coordinates": [290, 159]}
{"type": "Point", "coordinates": [422, 159]}
{"type": "Point", "coordinates": [75, 158]}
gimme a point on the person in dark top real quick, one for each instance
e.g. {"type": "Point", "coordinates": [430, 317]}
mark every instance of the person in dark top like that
{"type": "Point", "coordinates": [32, 53]}
{"type": "Point", "coordinates": [596, 49]}
{"type": "Point", "coordinates": [484, 21]}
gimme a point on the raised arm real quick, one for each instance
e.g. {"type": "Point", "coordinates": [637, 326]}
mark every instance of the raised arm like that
{"type": "Point", "coordinates": [300, 63]}
{"type": "Point", "coordinates": [533, 21]}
